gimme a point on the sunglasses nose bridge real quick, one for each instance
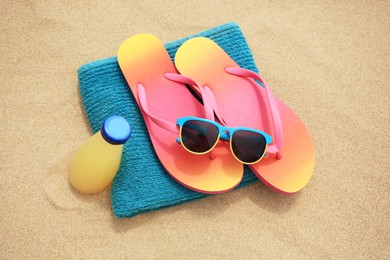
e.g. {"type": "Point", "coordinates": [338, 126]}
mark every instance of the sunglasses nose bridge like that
{"type": "Point", "coordinates": [224, 133]}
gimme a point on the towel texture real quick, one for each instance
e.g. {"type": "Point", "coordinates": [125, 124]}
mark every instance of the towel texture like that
{"type": "Point", "coordinates": [142, 184]}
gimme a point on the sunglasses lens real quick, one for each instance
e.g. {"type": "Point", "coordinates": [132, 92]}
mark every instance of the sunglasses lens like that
{"type": "Point", "coordinates": [198, 136]}
{"type": "Point", "coordinates": [248, 146]}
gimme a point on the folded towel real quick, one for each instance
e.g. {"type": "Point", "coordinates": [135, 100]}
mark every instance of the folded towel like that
{"type": "Point", "coordinates": [142, 184]}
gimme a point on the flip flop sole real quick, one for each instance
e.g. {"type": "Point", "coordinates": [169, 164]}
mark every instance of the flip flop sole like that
{"type": "Point", "coordinates": [143, 59]}
{"type": "Point", "coordinates": [294, 170]}
{"type": "Point", "coordinates": [241, 104]}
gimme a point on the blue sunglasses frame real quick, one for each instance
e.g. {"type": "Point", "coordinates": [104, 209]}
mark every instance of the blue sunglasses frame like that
{"type": "Point", "coordinates": [225, 133]}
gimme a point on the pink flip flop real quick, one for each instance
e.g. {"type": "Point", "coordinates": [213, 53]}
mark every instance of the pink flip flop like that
{"type": "Point", "coordinates": [241, 101]}
{"type": "Point", "coordinates": [163, 98]}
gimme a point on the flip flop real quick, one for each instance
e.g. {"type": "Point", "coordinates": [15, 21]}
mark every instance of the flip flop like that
{"type": "Point", "coordinates": [163, 97]}
{"type": "Point", "coordinates": [241, 101]}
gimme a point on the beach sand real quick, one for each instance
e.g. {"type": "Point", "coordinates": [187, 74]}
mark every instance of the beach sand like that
{"type": "Point", "coordinates": [328, 61]}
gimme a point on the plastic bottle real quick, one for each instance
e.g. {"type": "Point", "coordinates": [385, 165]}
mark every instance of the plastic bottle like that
{"type": "Point", "coordinates": [97, 161]}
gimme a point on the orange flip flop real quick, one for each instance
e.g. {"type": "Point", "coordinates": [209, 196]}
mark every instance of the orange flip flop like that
{"type": "Point", "coordinates": [241, 101]}
{"type": "Point", "coordinates": [163, 97]}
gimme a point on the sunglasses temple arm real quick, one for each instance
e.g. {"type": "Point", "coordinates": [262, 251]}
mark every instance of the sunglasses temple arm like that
{"type": "Point", "coordinates": [277, 123]}
{"type": "Point", "coordinates": [144, 107]}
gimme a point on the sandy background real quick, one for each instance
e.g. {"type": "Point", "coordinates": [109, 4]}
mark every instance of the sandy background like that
{"type": "Point", "coordinates": [328, 61]}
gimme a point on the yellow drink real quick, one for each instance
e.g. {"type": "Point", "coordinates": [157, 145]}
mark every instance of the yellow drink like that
{"type": "Point", "coordinates": [97, 161]}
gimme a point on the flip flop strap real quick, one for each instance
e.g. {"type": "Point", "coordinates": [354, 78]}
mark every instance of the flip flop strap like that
{"type": "Point", "coordinates": [213, 102]}
{"type": "Point", "coordinates": [209, 113]}
{"type": "Point", "coordinates": [207, 104]}
{"type": "Point", "coordinates": [145, 108]}
{"type": "Point", "coordinates": [277, 123]}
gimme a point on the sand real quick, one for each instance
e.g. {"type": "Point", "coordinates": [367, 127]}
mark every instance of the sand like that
{"type": "Point", "coordinates": [328, 61]}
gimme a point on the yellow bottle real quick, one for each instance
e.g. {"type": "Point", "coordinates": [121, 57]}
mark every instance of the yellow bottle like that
{"type": "Point", "coordinates": [97, 161]}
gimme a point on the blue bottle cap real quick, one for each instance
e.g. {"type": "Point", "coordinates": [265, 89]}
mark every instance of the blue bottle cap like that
{"type": "Point", "coordinates": [116, 130]}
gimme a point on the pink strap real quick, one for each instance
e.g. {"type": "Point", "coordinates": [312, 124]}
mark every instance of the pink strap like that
{"type": "Point", "coordinates": [208, 107]}
{"type": "Point", "coordinates": [212, 100]}
{"type": "Point", "coordinates": [205, 92]}
{"type": "Point", "coordinates": [144, 106]}
{"type": "Point", "coordinates": [209, 112]}
{"type": "Point", "coordinates": [278, 132]}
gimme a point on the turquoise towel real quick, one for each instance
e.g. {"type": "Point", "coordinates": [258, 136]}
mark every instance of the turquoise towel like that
{"type": "Point", "coordinates": [142, 184]}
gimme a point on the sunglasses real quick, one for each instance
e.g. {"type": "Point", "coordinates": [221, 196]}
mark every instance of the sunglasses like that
{"type": "Point", "coordinates": [200, 136]}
